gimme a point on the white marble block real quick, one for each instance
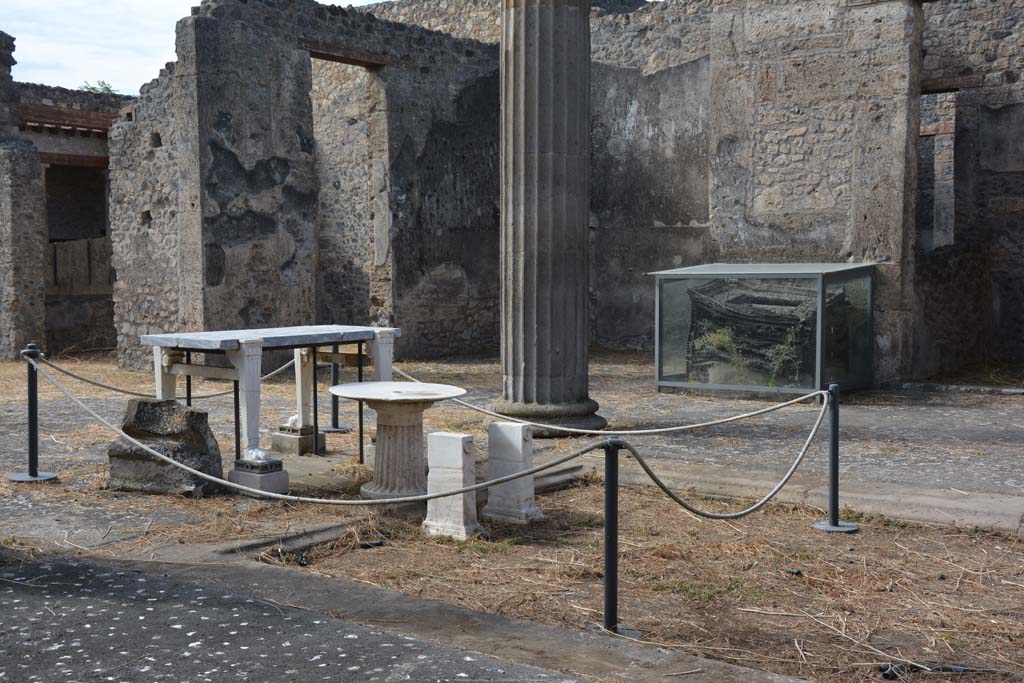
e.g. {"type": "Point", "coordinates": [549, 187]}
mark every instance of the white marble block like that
{"type": "Point", "coordinates": [452, 466]}
{"type": "Point", "coordinates": [510, 450]}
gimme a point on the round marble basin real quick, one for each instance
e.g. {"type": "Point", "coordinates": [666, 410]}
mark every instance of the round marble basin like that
{"type": "Point", "coordinates": [397, 392]}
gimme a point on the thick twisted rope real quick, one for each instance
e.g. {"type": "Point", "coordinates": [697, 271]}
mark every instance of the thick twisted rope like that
{"type": "Point", "coordinates": [753, 508]}
{"type": "Point", "coordinates": [630, 432]}
{"type": "Point", "coordinates": [302, 499]}
{"type": "Point", "coordinates": [467, 489]}
{"type": "Point", "coordinates": [127, 392]}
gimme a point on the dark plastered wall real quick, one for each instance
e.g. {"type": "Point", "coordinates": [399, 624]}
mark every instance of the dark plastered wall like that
{"type": "Point", "coordinates": [1000, 207]}
{"type": "Point", "coordinates": [649, 200]}
{"type": "Point", "coordinates": [258, 179]}
{"type": "Point", "coordinates": [446, 255]}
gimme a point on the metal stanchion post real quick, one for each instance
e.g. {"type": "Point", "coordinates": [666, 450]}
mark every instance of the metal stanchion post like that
{"type": "Point", "coordinates": [32, 351]}
{"type": "Point", "coordinates": [833, 524]}
{"type": "Point", "coordinates": [238, 425]}
{"type": "Point", "coordinates": [611, 536]}
{"type": "Point", "coordinates": [335, 427]}
{"type": "Point", "coordinates": [611, 540]}
{"type": "Point", "coordinates": [316, 406]}
{"type": "Point", "coordinates": [359, 365]}
{"type": "Point", "coordinates": [188, 380]}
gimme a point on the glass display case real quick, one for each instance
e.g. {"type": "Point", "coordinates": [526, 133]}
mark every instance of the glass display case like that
{"type": "Point", "coordinates": [789, 328]}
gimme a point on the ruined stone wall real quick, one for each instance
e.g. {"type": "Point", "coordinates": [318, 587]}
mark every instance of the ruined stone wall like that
{"type": "Point", "coordinates": [974, 43]}
{"type": "Point", "coordinates": [413, 103]}
{"type": "Point", "coordinates": [79, 100]}
{"type": "Point", "coordinates": [155, 210]}
{"type": "Point", "coordinates": [808, 101]}
{"type": "Point", "coordinates": [474, 19]}
{"type": "Point", "coordinates": [7, 92]}
{"type": "Point", "coordinates": [22, 225]}
{"type": "Point", "coordinates": [977, 47]}
{"type": "Point", "coordinates": [22, 247]}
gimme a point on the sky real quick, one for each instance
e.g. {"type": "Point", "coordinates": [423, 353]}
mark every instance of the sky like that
{"type": "Point", "coordinates": [69, 42]}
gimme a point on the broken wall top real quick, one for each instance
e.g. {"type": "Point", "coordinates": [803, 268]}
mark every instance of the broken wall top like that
{"type": "Point", "coordinates": [357, 35]}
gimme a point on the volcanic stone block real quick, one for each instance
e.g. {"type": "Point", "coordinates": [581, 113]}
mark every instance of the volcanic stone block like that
{"type": "Point", "coordinates": [175, 431]}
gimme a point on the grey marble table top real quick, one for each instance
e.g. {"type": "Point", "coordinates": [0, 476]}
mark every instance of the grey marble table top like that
{"type": "Point", "coordinates": [397, 392]}
{"type": "Point", "coordinates": [272, 337]}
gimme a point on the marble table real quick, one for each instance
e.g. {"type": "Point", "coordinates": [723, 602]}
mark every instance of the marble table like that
{"type": "Point", "coordinates": [400, 467]}
{"type": "Point", "coordinates": [244, 350]}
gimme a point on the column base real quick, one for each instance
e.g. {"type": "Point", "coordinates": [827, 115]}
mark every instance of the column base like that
{"type": "Point", "coordinates": [374, 492]}
{"type": "Point", "coordinates": [291, 441]}
{"type": "Point", "coordinates": [582, 415]}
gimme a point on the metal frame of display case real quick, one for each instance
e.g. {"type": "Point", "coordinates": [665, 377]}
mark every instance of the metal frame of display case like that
{"type": "Point", "coordinates": [824, 274]}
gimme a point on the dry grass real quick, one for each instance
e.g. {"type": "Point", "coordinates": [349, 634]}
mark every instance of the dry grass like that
{"type": "Point", "coordinates": [767, 592]}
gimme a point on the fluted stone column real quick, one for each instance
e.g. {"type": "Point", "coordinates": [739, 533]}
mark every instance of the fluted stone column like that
{"type": "Point", "coordinates": [545, 207]}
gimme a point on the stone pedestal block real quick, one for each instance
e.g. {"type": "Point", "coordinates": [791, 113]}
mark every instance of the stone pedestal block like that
{"type": "Point", "coordinates": [545, 211]}
{"type": "Point", "coordinates": [292, 441]}
{"type": "Point", "coordinates": [274, 481]}
{"type": "Point", "coordinates": [175, 431]}
{"type": "Point", "coordinates": [510, 450]}
{"type": "Point", "coordinates": [452, 466]}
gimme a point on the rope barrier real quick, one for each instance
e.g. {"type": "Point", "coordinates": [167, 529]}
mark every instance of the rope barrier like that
{"type": "Point", "coordinates": [302, 499]}
{"type": "Point", "coordinates": [753, 508]}
{"type": "Point", "coordinates": [631, 432]}
{"type": "Point", "coordinates": [467, 489]}
{"type": "Point", "coordinates": [138, 394]}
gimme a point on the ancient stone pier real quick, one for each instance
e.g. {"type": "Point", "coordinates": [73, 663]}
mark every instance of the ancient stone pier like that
{"type": "Point", "coordinates": [545, 208]}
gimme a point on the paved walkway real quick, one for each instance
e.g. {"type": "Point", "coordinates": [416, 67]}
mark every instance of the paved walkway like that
{"type": "Point", "coordinates": [69, 621]}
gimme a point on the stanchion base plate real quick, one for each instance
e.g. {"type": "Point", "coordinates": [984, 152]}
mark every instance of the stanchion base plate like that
{"type": "Point", "coordinates": [841, 528]}
{"type": "Point", "coordinates": [620, 630]}
{"type": "Point", "coordinates": [25, 478]}
{"type": "Point", "coordinates": [336, 430]}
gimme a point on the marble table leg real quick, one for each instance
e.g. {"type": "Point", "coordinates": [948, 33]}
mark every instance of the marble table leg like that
{"type": "Point", "coordinates": [166, 383]}
{"type": "Point", "coordinates": [257, 469]}
{"type": "Point", "coordinates": [400, 467]}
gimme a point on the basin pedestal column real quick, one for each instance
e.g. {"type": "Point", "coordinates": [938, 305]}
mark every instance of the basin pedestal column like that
{"type": "Point", "coordinates": [400, 464]}
{"type": "Point", "coordinates": [545, 212]}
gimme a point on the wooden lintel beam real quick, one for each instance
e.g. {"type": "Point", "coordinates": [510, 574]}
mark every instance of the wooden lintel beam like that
{"type": "Point", "coordinates": [61, 117]}
{"type": "Point", "coordinates": [932, 86]}
{"type": "Point", "coordinates": [344, 55]}
{"type": "Point", "coordinates": [82, 160]}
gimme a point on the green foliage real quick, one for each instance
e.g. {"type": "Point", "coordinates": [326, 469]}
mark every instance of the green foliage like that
{"type": "Point", "coordinates": [720, 340]}
{"type": "Point", "coordinates": [786, 353]}
{"type": "Point", "coordinates": [100, 88]}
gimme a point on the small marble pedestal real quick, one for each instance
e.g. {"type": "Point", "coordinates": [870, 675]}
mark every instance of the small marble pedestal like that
{"type": "Point", "coordinates": [400, 464]}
